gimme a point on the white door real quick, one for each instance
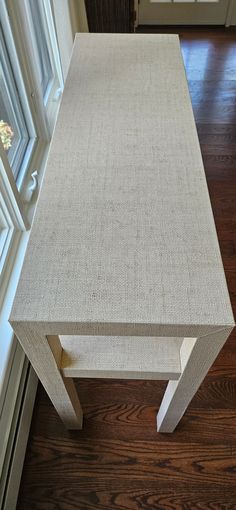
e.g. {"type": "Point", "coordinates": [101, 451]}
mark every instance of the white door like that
{"type": "Point", "coordinates": [186, 12]}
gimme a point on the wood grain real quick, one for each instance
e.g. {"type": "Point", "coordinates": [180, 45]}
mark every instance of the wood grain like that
{"type": "Point", "coordinates": [110, 15]}
{"type": "Point", "coordinates": [118, 461]}
{"type": "Point", "coordinates": [126, 496]}
{"type": "Point", "coordinates": [147, 460]}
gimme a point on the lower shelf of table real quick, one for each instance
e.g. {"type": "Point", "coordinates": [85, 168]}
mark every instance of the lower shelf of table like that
{"type": "Point", "coordinates": [121, 357]}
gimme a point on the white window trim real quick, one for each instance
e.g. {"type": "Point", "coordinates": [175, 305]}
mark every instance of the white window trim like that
{"type": "Point", "coordinates": [7, 347]}
{"type": "Point", "coordinates": [53, 46]}
{"type": "Point", "coordinates": [15, 221]}
{"type": "Point", "coordinates": [16, 34]}
{"type": "Point", "coordinates": [20, 22]}
{"type": "Point", "coordinates": [14, 14]}
{"type": "Point", "coordinates": [17, 213]}
{"type": "Point", "coordinates": [18, 78]}
{"type": "Point", "coordinates": [10, 193]}
{"type": "Point", "coordinates": [10, 97]}
{"type": "Point", "coordinates": [17, 224]}
{"type": "Point", "coordinates": [11, 355]}
{"type": "Point", "coordinates": [18, 436]}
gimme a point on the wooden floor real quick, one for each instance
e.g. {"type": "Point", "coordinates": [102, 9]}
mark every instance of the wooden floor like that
{"type": "Point", "coordinates": [119, 461]}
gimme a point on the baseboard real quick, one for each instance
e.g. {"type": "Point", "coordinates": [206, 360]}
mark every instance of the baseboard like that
{"type": "Point", "coordinates": [16, 448]}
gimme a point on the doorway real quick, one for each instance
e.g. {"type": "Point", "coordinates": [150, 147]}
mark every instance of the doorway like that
{"type": "Point", "coordinates": [186, 12]}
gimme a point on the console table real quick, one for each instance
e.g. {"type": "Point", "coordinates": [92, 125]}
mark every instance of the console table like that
{"type": "Point", "coordinates": [123, 275]}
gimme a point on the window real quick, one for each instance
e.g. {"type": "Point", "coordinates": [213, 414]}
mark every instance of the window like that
{"type": "Point", "coordinates": [43, 63]}
{"type": "Point", "coordinates": [42, 55]}
{"type": "Point", "coordinates": [12, 217]}
{"type": "Point", "coordinates": [30, 75]}
{"type": "Point", "coordinates": [31, 82]}
{"type": "Point", "coordinates": [6, 231]}
{"type": "Point", "coordinates": [46, 54]}
{"type": "Point", "coordinates": [13, 128]}
{"type": "Point", "coordinates": [183, 1]}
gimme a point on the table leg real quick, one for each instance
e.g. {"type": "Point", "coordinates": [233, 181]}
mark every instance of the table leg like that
{"type": "Point", "coordinates": [44, 355]}
{"type": "Point", "coordinates": [197, 356]}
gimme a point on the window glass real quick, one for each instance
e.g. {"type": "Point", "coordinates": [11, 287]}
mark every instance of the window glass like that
{"type": "Point", "coordinates": [13, 129]}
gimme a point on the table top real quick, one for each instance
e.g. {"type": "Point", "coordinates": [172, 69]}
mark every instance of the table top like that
{"type": "Point", "coordinates": [123, 231]}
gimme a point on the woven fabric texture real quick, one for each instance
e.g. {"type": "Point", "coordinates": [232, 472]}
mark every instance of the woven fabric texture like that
{"type": "Point", "coordinates": [124, 231]}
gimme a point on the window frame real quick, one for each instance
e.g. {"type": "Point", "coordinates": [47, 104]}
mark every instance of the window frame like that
{"type": "Point", "coordinates": [19, 209]}
{"type": "Point", "coordinates": [16, 221]}
{"type": "Point", "coordinates": [19, 84]}
{"type": "Point", "coordinates": [17, 39]}
{"type": "Point", "coordinates": [17, 35]}
{"type": "Point", "coordinates": [18, 195]}
{"type": "Point", "coordinates": [13, 101]}
{"type": "Point", "coordinates": [20, 23]}
{"type": "Point", "coordinates": [40, 119]}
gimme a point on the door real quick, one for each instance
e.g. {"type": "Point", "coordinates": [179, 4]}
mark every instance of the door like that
{"type": "Point", "coordinates": [185, 12]}
{"type": "Point", "coordinates": [110, 15]}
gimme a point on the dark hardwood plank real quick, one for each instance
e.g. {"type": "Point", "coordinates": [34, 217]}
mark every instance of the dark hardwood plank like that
{"type": "Point", "coordinates": [129, 495]}
{"type": "Point", "coordinates": [118, 461]}
{"type": "Point", "coordinates": [110, 15]}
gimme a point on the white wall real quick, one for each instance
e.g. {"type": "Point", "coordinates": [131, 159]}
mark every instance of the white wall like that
{"type": "Point", "coordinates": [70, 17]}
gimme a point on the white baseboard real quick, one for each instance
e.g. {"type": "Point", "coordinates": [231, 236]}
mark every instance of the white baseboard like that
{"type": "Point", "coordinates": [17, 442]}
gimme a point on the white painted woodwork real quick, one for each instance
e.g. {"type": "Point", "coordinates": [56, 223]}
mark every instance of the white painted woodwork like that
{"type": "Point", "coordinates": [9, 194]}
{"type": "Point", "coordinates": [45, 358]}
{"type": "Point", "coordinates": [181, 12]}
{"type": "Point", "coordinates": [197, 356]}
{"type": "Point", "coordinates": [121, 357]}
{"type": "Point", "coordinates": [123, 225]}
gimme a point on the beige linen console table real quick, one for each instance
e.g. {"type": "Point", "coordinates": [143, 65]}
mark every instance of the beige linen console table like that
{"type": "Point", "coordinates": [123, 275]}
